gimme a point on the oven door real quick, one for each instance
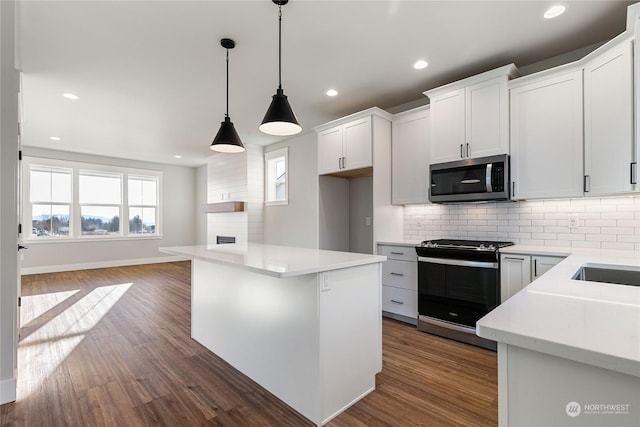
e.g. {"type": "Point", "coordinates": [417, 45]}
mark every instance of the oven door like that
{"type": "Point", "coordinates": [457, 291]}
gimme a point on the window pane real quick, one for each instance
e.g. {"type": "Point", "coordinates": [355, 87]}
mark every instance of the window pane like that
{"type": "Point", "coordinates": [61, 187]}
{"type": "Point", "coordinates": [142, 192]}
{"type": "Point", "coordinates": [49, 220]}
{"type": "Point", "coordinates": [40, 186]}
{"type": "Point", "coordinates": [50, 186]}
{"type": "Point", "coordinates": [100, 220]}
{"type": "Point", "coordinates": [142, 220]}
{"type": "Point", "coordinates": [99, 189]}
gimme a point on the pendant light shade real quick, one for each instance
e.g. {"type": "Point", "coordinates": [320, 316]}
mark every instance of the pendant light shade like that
{"type": "Point", "coordinates": [227, 139]}
{"type": "Point", "coordinates": [280, 119]}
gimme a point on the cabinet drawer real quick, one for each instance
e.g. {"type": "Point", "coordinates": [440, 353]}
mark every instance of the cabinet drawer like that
{"type": "Point", "coordinates": [406, 253]}
{"type": "Point", "coordinates": [400, 301]}
{"type": "Point", "coordinates": [401, 274]}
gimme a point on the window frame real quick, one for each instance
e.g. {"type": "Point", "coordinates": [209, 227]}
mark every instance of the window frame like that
{"type": "Point", "coordinates": [271, 181]}
{"type": "Point", "coordinates": [75, 227]}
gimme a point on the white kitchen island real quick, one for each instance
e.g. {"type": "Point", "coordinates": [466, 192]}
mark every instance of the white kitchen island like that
{"type": "Point", "coordinates": [303, 323]}
{"type": "Point", "coordinates": [569, 350]}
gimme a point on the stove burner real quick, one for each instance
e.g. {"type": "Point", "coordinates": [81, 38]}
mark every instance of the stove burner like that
{"type": "Point", "coordinates": [460, 249]}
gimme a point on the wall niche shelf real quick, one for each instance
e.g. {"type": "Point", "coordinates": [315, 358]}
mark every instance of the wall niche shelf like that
{"type": "Point", "coordinates": [226, 206]}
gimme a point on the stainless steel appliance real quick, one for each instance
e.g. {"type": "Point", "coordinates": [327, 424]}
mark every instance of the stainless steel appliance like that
{"type": "Point", "coordinates": [458, 283]}
{"type": "Point", "coordinates": [470, 180]}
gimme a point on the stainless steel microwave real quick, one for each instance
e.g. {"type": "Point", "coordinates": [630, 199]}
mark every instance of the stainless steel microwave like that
{"type": "Point", "coordinates": [470, 180]}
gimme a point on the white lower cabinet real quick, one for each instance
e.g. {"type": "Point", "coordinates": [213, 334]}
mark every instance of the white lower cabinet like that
{"type": "Point", "coordinates": [518, 270]}
{"type": "Point", "coordinates": [400, 283]}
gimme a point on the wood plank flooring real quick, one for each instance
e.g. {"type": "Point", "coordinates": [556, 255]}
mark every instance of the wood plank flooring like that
{"type": "Point", "coordinates": [112, 347]}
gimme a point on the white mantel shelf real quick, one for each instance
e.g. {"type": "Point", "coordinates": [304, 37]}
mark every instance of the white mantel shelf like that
{"type": "Point", "coordinates": [226, 206]}
{"type": "Point", "coordinates": [273, 260]}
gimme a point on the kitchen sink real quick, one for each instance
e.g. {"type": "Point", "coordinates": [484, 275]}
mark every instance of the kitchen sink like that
{"type": "Point", "coordinates": [615, 274]}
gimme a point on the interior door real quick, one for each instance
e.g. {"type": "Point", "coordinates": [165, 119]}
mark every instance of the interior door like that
{"type": "Point", "coordinates": [19, 207]}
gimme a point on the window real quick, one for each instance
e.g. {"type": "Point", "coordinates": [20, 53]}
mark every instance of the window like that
{"type": "Point", "coordinates": [143, 196]}
{"type": "Point", "coordinates": [70, 200]}
{"type": "Point", "coordinates": [50, 199]}
{"type": "Point", "coordinates": [276, 181]}
{"type": "Point", "coordinates": [100, 197]}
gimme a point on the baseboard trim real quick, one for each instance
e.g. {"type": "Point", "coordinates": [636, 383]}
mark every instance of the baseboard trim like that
{"type": "Point", "coordinates": [8, 391]}
{"type": "Point", "coordinates": [101, 264]}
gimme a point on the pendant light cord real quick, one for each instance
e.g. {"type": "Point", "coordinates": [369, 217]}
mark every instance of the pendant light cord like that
{"type": "Point", "coordinates": [227, 113]}
{"type": "Point", "coordinates": [279, 46]}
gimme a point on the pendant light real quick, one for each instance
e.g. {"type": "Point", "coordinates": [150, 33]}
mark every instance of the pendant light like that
{"type": "Point", "coordinates": [227, 139]}
{"type": "Point", "coordinates": [280, 119]}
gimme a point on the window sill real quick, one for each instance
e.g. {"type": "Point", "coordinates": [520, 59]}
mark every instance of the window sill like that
{"type": "Point", "coordinates": [89, 239]}
{"type": "Point", "coordinates": [277, 203]}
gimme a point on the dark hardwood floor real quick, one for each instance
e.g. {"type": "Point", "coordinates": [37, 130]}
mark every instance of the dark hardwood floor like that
{"type": "Point", "coordinates": [112, 347]}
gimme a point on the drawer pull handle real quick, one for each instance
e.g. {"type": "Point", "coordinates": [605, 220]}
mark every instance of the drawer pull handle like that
{"type": "Point", "coordinates": [514, 258]}
{"type": "Point", "coordinates": [396, 274]}
{"type": "Point", "coordinates": [397, 253]}
{"type": "Point", "coordinates": [397, 302]}
{"type": "Point", "coordinates": [452, 314]}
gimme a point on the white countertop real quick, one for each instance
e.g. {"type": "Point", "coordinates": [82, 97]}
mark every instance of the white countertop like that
{"type": "Point", "coordinates": [273, 260]}
{"type": "Point", "coordinates": [589, 322]}
{"type": "Point", "coordinates": [408, 243]}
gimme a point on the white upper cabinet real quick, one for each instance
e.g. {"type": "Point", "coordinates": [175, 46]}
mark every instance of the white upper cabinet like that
{"type": "Point", "coordinates": [345, 147]}
{"type": "Point", "coordinates": [410, 157]}
{"type": "Point", "coordinates": [470, 117]}
{"type": "Point", "coordinates": [546, 135]}
{"type": "Point", "coordinates": [608, 120]}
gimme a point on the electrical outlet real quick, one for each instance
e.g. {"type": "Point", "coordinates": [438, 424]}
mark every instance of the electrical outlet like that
{"type": "Point", "coordinates": [324, 282]}
{"type": "Point", "coordinates": [573, 221]}
{"type": "Point", "coordinates": [367, 220]}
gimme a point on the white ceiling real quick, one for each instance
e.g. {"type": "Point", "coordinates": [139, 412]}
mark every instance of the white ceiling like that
{"type": "Point", "coordinates": [151, 74]}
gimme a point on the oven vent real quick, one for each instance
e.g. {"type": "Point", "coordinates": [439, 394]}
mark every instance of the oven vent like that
{"type": "Point", "coordinates": [225, 239]}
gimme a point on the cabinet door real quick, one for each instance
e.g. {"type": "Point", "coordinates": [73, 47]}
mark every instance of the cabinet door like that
{"type": "Point", "coordinates": [542, 264]}
{"type": "Point", "coordinates": [329, 150]}
{"type": "Point", "coordinates": [487, 114]}
{"type": "Point", "coordinates": [546, 137]}
{"type": "Point", "coordinates": [410, 159]}
{"type": "Point", "coordinates": [608, 121]}
{"type": "Point", "coordinates": [356, 144]}
{"type": "Point", "coordinates": [515, 274]}
{"type": "Point", "coordinates": [447, 127]}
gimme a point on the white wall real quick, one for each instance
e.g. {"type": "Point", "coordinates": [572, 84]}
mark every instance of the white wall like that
{"type": "Point", "coordinates": [238, 177]}
{"type": "Point", "coordinates": [607, 223]}
{"type": "Point", "coordinates": [296, 224]}
{"type": "Point", "coordinates": [201, 199]}
{"type": "Point", "coordinates": [179, 209]}
{"type": "Point", "coordinates": [8, 209]}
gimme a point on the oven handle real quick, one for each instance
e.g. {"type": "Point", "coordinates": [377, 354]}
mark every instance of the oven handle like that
{"type": "Point", "coordinates": [459, 262]}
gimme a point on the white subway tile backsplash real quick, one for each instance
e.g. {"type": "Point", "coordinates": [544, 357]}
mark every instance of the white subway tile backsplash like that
{"type": "Point", "coordinates": [612, 222]}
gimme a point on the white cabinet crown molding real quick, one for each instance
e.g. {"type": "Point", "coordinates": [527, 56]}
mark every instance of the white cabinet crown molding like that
{"type": "Point", "coordinates": [509, 70]}
{"type": "Point", "coordinates": [373, 111]}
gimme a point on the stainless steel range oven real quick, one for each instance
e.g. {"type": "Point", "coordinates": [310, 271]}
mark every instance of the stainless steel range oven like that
{"type": "Point", "coordinates": [458, 283]}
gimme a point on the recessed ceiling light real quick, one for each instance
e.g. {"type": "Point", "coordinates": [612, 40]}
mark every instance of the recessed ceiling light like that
{"type": "Point", "coordinates": [331, 92]}
{"type": "Point", "coordinates": [554, 11]}
{"type": "Point", "coordinates": [178, 156]}
{"type": "Point", "coordinates": [54, 138]}
{"type": "Point", "coordinates": [419, 65]}
{"type": "Point", "coordinates": [71, 96]}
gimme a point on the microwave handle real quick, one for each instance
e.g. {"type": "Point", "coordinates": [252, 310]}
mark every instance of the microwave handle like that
{"type": "Point", "coordinates": [488, 177]}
